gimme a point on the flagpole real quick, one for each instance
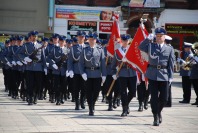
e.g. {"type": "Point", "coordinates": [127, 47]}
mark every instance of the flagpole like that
{"type": "Point", "coordinates": [113, 82]}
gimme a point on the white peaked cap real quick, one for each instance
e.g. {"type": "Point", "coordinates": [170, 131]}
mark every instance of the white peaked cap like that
{"type": "Point", "coordinates": [187, 44]}
{"type": "Point", "coordinates": [168, 37]}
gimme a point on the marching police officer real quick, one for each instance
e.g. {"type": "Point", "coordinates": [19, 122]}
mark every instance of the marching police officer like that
{"type": "Point", "coordinates": [186, 81]}
{"type": "Point", "coordinates": [32, 54]}
{"type": "Point", "coordinates": [92, 67]}
{"type": "Point", "coordinates": [168, 40]}
{"type": "Point", "coordinates": [73, 69]}
{"type": "Point", "coordinates": [159, 72]}
{"type": "Point", "coordinates": [110, 99]}
{"type": "Point", "coordinates": [127, 75]}
{"type": "Point", "coordinates": [194, 72]}
{"type": "Point", "coordinates": [58, 60]}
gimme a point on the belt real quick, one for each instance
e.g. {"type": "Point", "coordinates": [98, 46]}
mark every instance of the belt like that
{"type": "Point", "coordinates": [158, 66]}
{"type": "Point", "coordinates": [92, 68]}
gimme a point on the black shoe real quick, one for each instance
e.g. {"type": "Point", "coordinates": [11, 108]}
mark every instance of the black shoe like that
{"type": "Point", "coordinates": [82, 104]}
{"type": "Point", "coordinates": [77, 105]}
{"type": "Point", "coordinates": [128, 110]}
{"type": "Point", "coordinates": [58, 103]}
{"type": "Point", "coordinates": [160, 118]}
{"type": "Point", "coordinates": [184, 101]}
{"type": "Point", "coordinates": [140, 109]}
{"type": "Point", "coordinates": [114, 104]}
{"type": "Point", "coordinates": [91, 110]}
{"type": "Point", "coordinates": [124, 114]}
{"type": "Point", "coordinates": [196, 103]}
{"type": "Point", "coordinates": [156, 120]}
{"type": "Point", "coordinates": [124, 111]}
{"type": "Point", "coordinates": [110, 108]}
{"type": "Point", "coordinates": [118, 102]}
{"type": "Point", "coordinates": [146, 104]}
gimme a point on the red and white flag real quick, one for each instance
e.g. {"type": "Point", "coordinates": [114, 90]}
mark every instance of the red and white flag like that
{"type": "Point", "coordinates": [114, 38]}
{"type": "Point", "coordinates": [134, 56]}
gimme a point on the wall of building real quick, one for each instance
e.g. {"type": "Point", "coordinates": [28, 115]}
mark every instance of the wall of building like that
{"type": "Point", "coordinates": [22, 16]}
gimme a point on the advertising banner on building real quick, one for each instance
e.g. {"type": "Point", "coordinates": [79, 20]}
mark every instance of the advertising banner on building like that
{"type": "Point", "coordinates": [82, 25]}
{"type": "Point", "coordinates": [82, 14]}
{"type": "Point", "coordinates": [182, 29]}
{"type": "Point", "coordinates": [105, 26]}
{"type": "Point", "coordinates": [145, 3]}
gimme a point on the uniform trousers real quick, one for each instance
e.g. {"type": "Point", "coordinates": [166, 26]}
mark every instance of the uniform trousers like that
{"type": "Point", "coordinates": [141, 91]}
{"type": "Point", "coordinates": [195, 86]}
{"type": "Point", "coordinates": [6, 78]}
{"type": "Point", "coordinates": [159, 95]}
{"type": "Point", "coordinates": [33, 82]}
{"type": "Point", "coordinates": [186, 85]}
{"type": "Point", "coordinates": [115, 89]}
{"type": "Point", "coordinates": [78, 86]}
{"type": "Point", "coordinates": [48, 82]}
{"type": "Point", "coordinates": [130, 83]}
{"type": "Point", "coordinates": [16, 82]}
{"type": "Point", "coordinates": [93, 86]}
{"type": "Point", "coordinates": [60, 83]}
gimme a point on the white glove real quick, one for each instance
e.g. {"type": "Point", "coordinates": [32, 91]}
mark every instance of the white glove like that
{"type": "Point", "coordinates": [190, 55]}
{"type": "Point", "coordinates": [55, 66]}
{"type": "Point", "coordinates": [67, 74]}
{"type": "Point", "coordinates": [8, 63]}
{"type": "Point", "coordinates": [114, 77]}
{"type": "Point", "coordinates": [84, 76]}
{"type": "Point", "coordinates": [103, 79]}
{"type": "Point", "coordinates": [150, 36]}
{"type": "Point", "coordinates": [170, 81]}
{"type": "Point", "coordinates": [27, 59]}
{"type": "Point", "coordinates": [183, 62]}
{"type": "Point", "coordinates": [124, 59]}
{"type": "Point", "coordinates": [71, 74]}
{"type": "Point", "coordinates": [19, 63]}
{"type": "Point", "coordinates": [196, 58]}
{"type": "Point", "coordinates": [178, 60]}
{"type": "Point", "coordinates": [47, 64]}
{"type": "Point", "coordinates": [24, 62]}
{"type": "Point", "coordinates": [14, 63]}
{"type": "Point", "coordinates": [45, 70]}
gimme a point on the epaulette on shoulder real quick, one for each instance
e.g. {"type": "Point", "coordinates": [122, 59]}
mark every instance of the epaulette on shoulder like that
{"type": "Point", "coordinates": [99, 46]}
{"type": "Point", "coordinates": [86, 46]}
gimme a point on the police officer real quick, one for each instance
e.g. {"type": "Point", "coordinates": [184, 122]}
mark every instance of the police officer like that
{"type": "Point", "coordinates": [194, 73]}
{"type": "Point", "coordinates": [159, 72]}
{"type": "Point", "coordinates": [20, 70]}
{"type": "Point", "coordinates": [127, 75]}
{"type": "Point", "coordinates": [110, 99]}
{"type": "Point", "coordinates": [168, 40]}
{"type": "Point", "coordinates": [186, 81]}
{"type": "Point", "coordinates": [58, 60]}
{"type": "Point", "coordinates": [73, 69]}
{"type": "Point", "coordinates": [5, 66]}
{"type": "Point", "coordinates": [92, 67]}
{"type": "Point", "coordinates": [49, 82]}
{"type": "Point", "coordinates": [32, 54]}
{"type": "Point", "coordinates": [141, 91]}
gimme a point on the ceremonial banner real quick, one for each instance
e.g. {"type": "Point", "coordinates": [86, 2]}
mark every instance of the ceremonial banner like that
{"type": "Point", "coordinates": [134, 56]}
{"type": "Point", "coordinates": [115, 35]}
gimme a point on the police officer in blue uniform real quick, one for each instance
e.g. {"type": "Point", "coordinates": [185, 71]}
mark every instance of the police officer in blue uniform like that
{"type": "Point", "coordinates": [49, 82]}
{"type": "Point", "coordinates": [194, 72]}
{"type": "Point", "coordinates": [127, 75]}
{"type": "Point", "coordinates": [186, 81]}
{"type": "Point", "coordinates": [32, 54]}
{"type": "Point", "coordinates": [58, 60]}
{"type": "Point", "coordinates": [159, 72]}
{"type": "Point", "coordinates": [73, 69]}
{"type": "Point", "coordinates": [168, 40]}
{"type": "Point", "coordinates": [5, 67]}
{"type": "Point", "coordinates": [112, 100]}
{"type": "Point", "coordinates": [20, 71]}
{"type": "Point", "coordinates": [92, 67]}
